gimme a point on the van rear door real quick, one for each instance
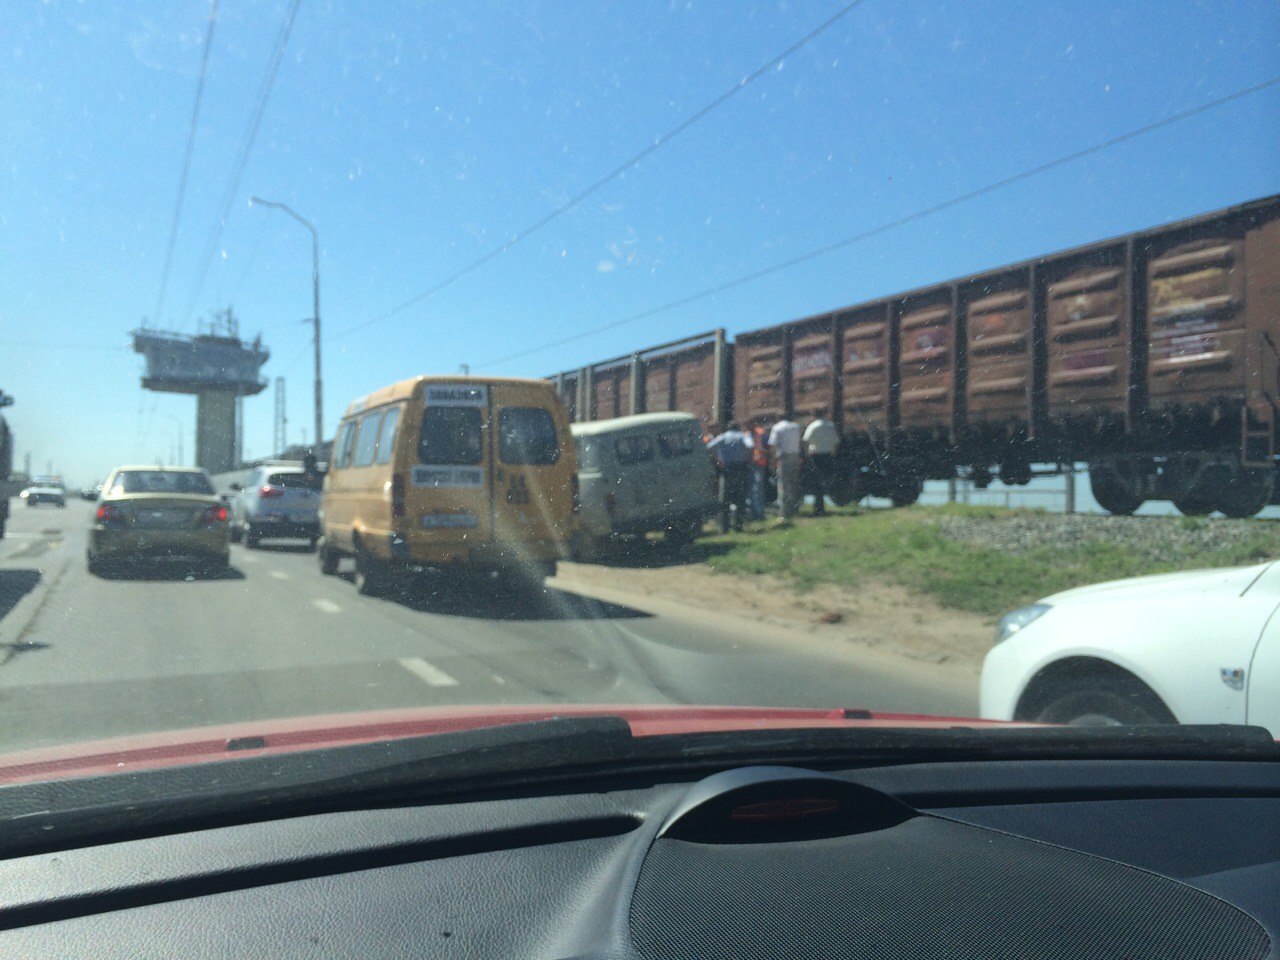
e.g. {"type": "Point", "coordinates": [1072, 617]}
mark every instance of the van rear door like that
{"type": "Point", "coordinates": [534, 469]}
{"type": "Point", "coordinates": [447, 496]}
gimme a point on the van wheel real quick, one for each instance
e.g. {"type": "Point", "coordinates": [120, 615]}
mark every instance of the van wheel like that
{"type": "Point", "coordinates": [373, 577]}
{"type": "Point", "coordinates": [329, 559]}
{"type": "Point", "coordinates": [251, 537]}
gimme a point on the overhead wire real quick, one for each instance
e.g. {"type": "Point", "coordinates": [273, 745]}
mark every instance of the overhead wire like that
{"type": "Point", "coordinates": [658, 142]}
{"type": "Point", "coordinates": [186, 163]}
{"type": "Point", "coordinates": [892, 224]}
{"type": "Point", "coordinates": [242, 158]}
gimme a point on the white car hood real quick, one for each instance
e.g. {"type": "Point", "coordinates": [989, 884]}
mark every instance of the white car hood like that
{"type": "Point", "coordinates": [1225, 582]}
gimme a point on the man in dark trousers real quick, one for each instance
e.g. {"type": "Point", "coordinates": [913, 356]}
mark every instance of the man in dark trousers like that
{"type": "Point", "coordinates": [732, 450]}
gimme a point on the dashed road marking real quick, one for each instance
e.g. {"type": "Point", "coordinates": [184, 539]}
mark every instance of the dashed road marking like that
{"type": "Point", "coordinates": [279, 575]}
{"type": "Point", "coordinates": [497, 679]}
{"type": "Point", "coordinates": [428, 673]}
{"type": "Point", "coordinates": [328, 606]}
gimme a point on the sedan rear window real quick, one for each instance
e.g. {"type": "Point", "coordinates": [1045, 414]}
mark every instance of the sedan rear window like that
{"type": "Point", "coordinates": [295, 481]}
{"type": "Point", "coordinates": [160, 481]}
{"type": "Point", "coordinates": [450, 436]}
{"type": "Point", "coordinates": [527, 435]}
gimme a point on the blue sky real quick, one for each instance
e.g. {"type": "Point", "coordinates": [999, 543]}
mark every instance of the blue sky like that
{"type": "Point", "coordinates": [417, 136]}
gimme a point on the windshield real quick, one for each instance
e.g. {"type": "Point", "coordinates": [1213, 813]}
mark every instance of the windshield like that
{"type": "Point", "coordinates": [908, 359]}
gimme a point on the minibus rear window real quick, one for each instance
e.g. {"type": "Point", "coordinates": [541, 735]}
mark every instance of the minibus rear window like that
{"type": "Point", "coordinates": [450, 436]}
{"type": "Point", "coordinates": [527, 435]}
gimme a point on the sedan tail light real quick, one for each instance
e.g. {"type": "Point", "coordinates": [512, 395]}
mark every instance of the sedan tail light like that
{"type": "Point", "coordinates": [268, 492]}
{"type": "Point", "coordinates": [108, 513]}
{"type": "Point", "coordinates": [214, 515]}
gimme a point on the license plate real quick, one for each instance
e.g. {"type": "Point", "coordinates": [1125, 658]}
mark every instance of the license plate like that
{"type": "Point", "coordinates": [164, 518]}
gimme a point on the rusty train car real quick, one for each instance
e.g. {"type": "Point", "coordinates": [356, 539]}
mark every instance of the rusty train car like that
{"type": "Point", "coordinates": [1154, 357]}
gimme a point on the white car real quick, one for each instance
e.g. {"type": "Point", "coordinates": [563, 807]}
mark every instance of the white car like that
{"type": "Point", "coordinates": [1195, 647]}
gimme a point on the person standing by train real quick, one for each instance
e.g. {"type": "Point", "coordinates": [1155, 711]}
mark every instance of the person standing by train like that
{"type": "Point", "coordinates": [784, 440]}
{"type": "Point", "coordinates": [759, 472]}
{"type": "Point", "coordinates": [732, 450]}
{"type": "Point", "coordinates": [820, 441]}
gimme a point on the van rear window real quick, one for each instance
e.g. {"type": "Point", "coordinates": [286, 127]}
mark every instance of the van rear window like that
{"type": "Point", "coordinates": [527, 435]}
{"type": "Point", "coordinates": [636, 448]}
{"type": "Point", "coordinates": [451, 436]}
{"type": "Point", "coordinates": [675, 443]}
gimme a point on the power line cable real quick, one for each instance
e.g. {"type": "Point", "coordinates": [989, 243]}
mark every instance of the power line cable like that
{"type": "Point", "coordinates": [892, 224]}
{"type": "Point", "coordinates": [242, 159]}
{"type": "Point", "coordinates": [186, 162]}
{"type": "Point", "coordinates": [613, 174]}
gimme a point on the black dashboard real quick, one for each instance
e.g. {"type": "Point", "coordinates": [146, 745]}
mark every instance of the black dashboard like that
{"type": "Point", "coordinates": [1082, 858]}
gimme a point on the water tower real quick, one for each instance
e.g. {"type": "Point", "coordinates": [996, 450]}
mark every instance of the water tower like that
{"type": "Point", "coordinates": [219, 369]}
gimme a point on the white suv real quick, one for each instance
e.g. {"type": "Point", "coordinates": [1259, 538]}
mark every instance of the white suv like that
{"type": "Point", "coordinates": [276, 501]}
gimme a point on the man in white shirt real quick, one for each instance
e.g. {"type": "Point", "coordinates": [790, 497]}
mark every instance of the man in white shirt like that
{"type": "Point", "coordinates": [784, 440]}
{"type": "Point", "coordinates": [820, 441]}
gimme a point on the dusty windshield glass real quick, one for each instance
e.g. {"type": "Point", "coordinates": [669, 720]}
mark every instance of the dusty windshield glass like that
{"type": "Point", "coordinates": [879, 356]}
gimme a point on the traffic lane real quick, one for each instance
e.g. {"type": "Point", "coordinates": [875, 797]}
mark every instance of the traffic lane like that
{"type": "Point", "coordinates": [33, 555]}
{"type": "Point", "coordinates": [117, 656]}
{"type": "Point", "coordinates": [686, 655]}
{"type": "Point", "coordinates": [275, 638]}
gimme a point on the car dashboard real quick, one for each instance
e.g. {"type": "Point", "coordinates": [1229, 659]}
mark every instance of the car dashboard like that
{"type": "Point", "coordinates": [1134, 859]}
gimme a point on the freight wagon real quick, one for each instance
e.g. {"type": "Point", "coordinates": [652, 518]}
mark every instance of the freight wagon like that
{"type": "Point", "coordinates": [1154, 357]}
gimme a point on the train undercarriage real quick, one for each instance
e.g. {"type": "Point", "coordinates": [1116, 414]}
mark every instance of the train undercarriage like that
{"type": "Point", "coordinates": [1230, 469]}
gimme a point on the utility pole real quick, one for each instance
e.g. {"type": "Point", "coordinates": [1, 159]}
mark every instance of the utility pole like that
{"type": "Point", "coordinates": [315, 301]}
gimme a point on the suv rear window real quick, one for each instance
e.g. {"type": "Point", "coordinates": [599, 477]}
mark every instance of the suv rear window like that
{"type": "Point", "coordinates": [637, 448]}
{"type": "Point", "coordinates": [160, 481]}
{"type": "Point", "coordinates": [527, 435]}
{"type": "Point", "coordinates": [675, 443]}
{"type": "Point", "coordinates": [450, 436]}
{"type": "Point", "coordinates": [295, 481]}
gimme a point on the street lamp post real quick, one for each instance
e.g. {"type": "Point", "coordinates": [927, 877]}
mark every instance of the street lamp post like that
{"type": "Point", "coordinates": [315, 297]}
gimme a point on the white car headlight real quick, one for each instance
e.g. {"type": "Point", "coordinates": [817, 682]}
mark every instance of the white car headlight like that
{"type": "Point", "coordinates": [1011, 623]}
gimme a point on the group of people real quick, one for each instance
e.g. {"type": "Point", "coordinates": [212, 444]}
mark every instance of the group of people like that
{"type": "Point", "coordinates": [745, 459]}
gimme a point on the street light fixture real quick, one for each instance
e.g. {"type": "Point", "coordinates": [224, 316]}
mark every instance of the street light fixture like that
{"type": "Point", "coordinates": [315, 294]}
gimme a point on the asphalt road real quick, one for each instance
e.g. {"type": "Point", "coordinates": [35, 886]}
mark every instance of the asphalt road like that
{"type": "Point", "coordinates": [83, 657]}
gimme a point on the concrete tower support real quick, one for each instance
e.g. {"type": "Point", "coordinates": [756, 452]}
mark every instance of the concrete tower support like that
{"type": "Point", "coordinates": [216, 430]}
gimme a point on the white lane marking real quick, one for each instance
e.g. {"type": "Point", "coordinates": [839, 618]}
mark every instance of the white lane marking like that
{"type": "Point", "coordinates": [248, 558]}
{"type": "Point", "coordinates": [428, 673]}
{"type": "Point", "coordinates": [496, 678]}
{"type": "Point", "coordinates": [279, 575]}
{"type": "Point", "coordinates": [328, 606]}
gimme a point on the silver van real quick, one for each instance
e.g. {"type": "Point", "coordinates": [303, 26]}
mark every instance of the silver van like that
{"type": "Point", "coordinates": [648, 472]}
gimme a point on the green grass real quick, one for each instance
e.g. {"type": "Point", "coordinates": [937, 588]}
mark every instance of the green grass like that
{"type": "Point", "coordinates": [906, 547]}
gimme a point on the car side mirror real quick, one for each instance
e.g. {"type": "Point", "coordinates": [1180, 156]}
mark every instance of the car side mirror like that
{"type": "Point", "coordinates": [236, 488]}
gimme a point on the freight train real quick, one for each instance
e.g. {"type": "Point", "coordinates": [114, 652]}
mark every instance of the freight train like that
{"type": "Point", "coordinates": [1154, 357]}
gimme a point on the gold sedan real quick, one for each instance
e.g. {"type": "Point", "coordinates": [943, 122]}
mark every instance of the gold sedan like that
{"type": "Point", "coordinates": [159, 513]}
